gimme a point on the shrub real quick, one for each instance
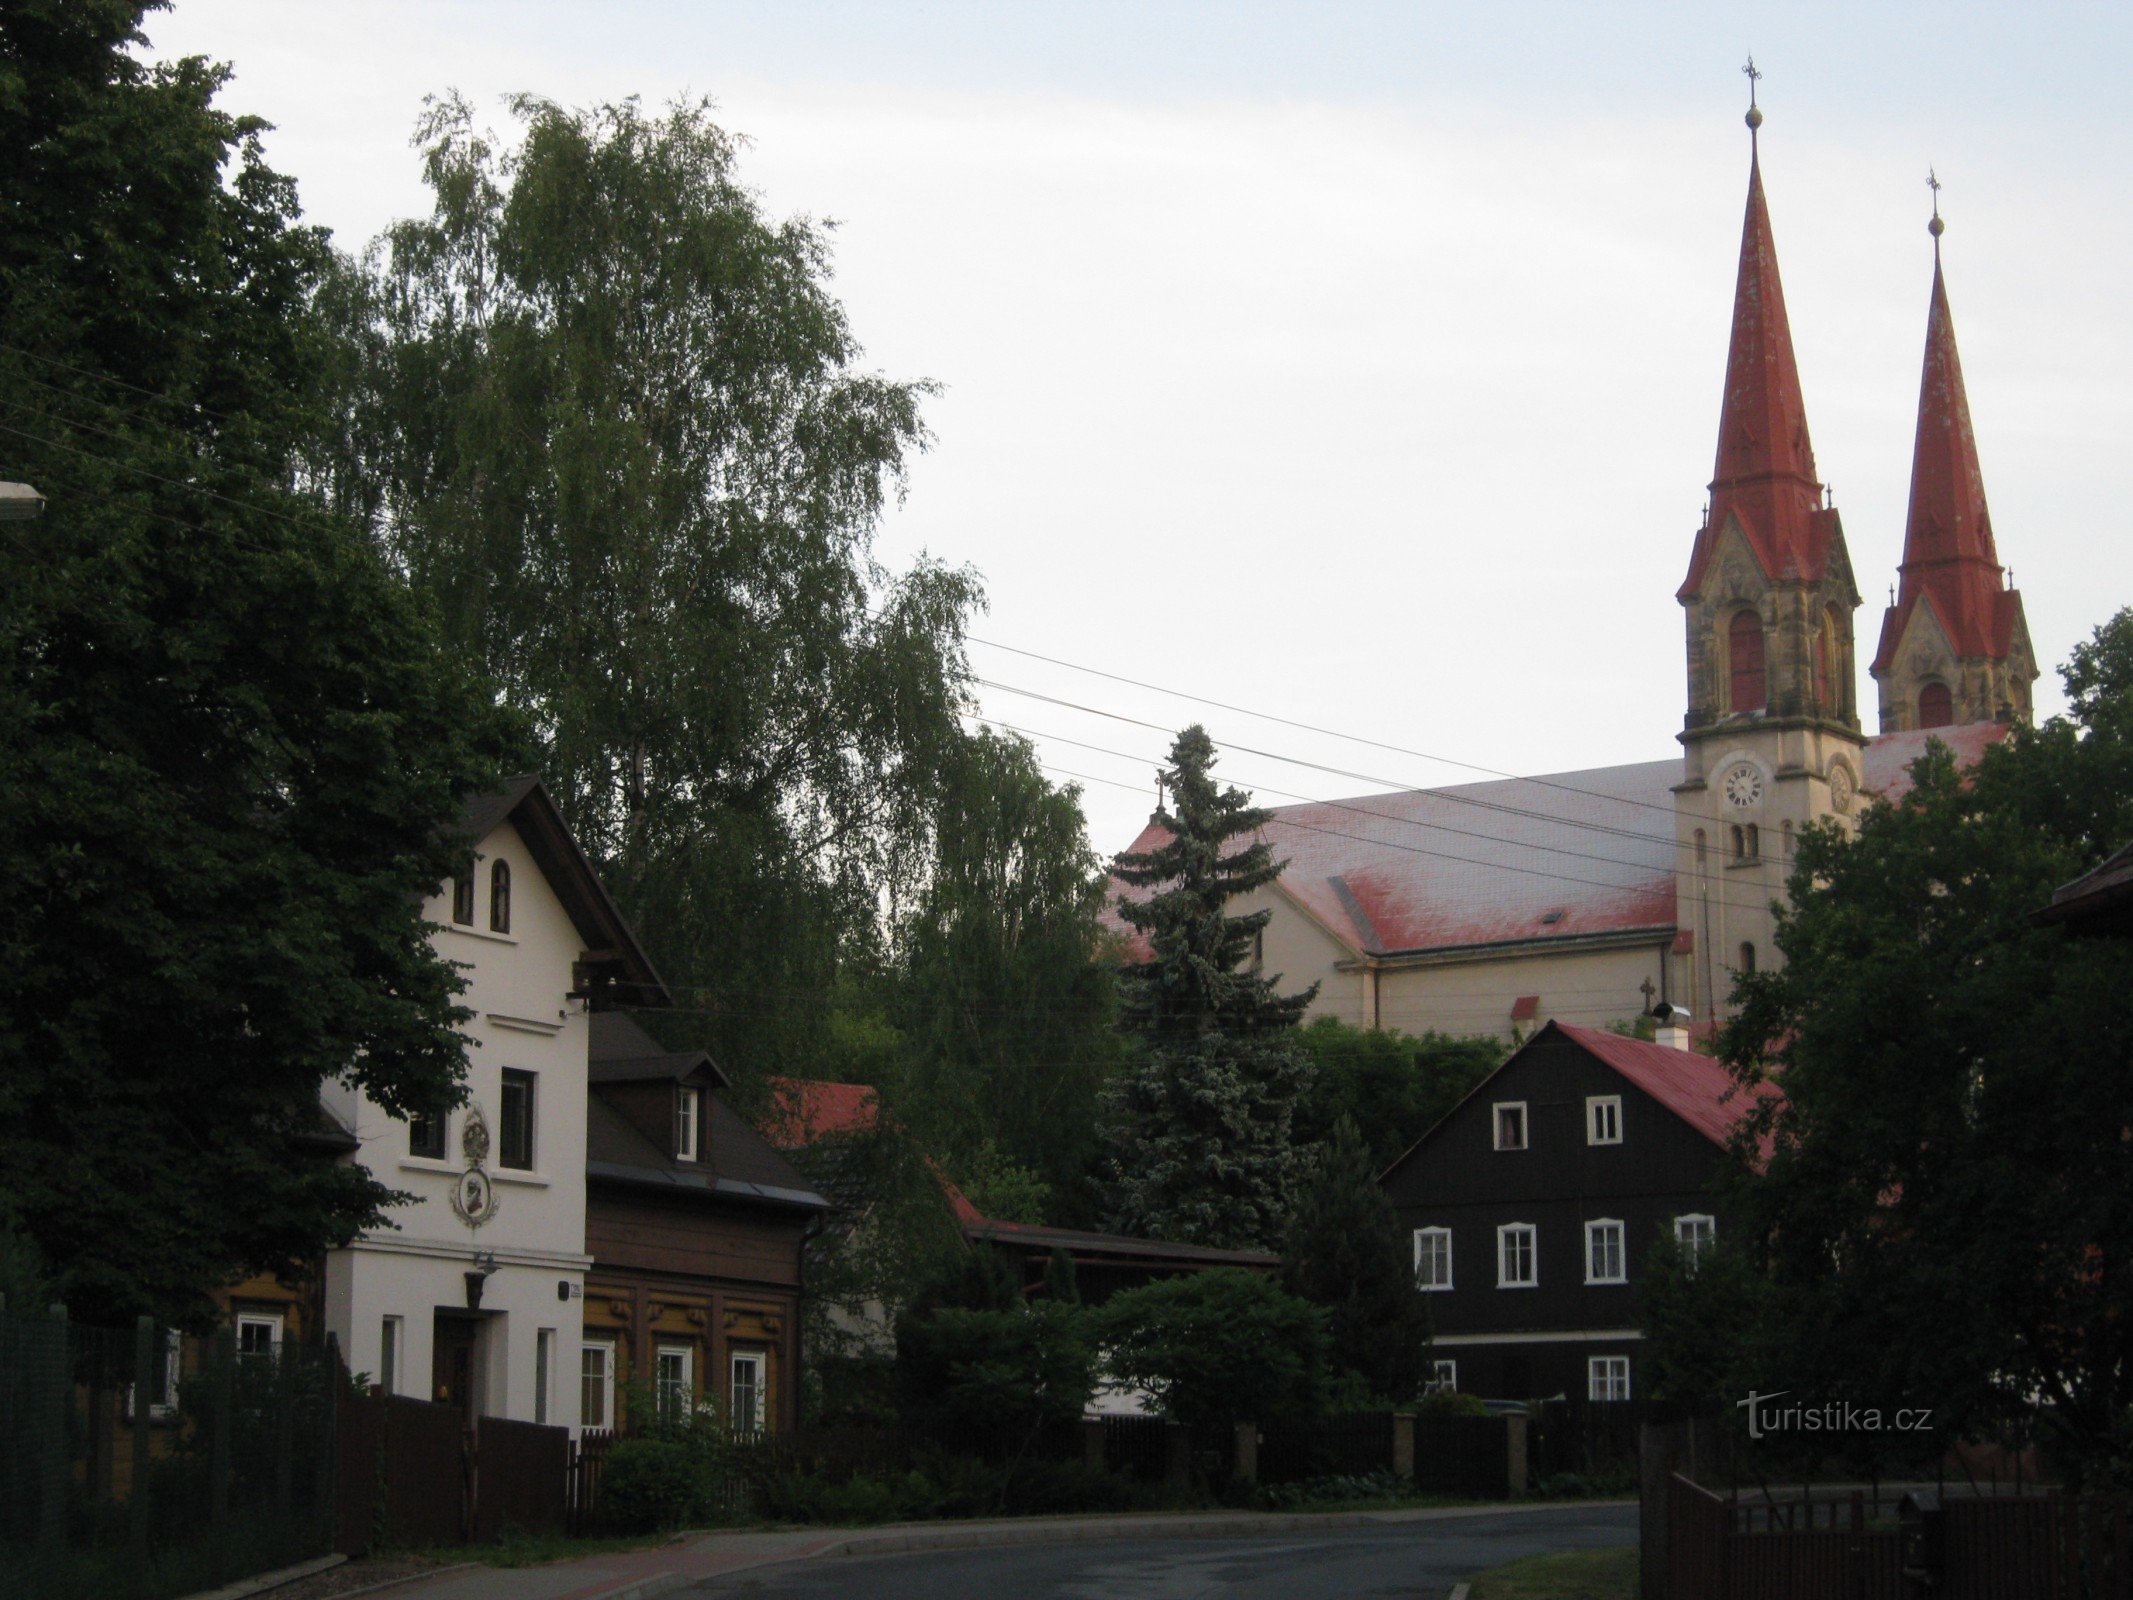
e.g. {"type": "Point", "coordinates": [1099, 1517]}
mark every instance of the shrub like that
{"type": "Point", "coordinates": [650, 1484]}
{"type": "Point", "coordinates": [1447, 1403]}
{"type": "Point", "coordinates": [1217, 1348]}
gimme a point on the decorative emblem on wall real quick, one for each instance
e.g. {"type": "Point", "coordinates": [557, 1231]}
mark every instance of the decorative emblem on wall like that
{"type": "Point", "coordinates": [474, 1195]}
{"type": "Point", "coordinates": [1840, 788]}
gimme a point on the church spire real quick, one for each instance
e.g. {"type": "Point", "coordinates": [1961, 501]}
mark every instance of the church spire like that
{"type": "Point", "coordinates": [1950, 565]}
{"type": "Point", "coordinates": [1764, 476]}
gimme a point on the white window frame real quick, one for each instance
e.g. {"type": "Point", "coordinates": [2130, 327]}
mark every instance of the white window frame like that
{"type": "Point", "coordinates": [1698, 1231]}
{"type": "Point", "coordinates": [392, 1351]}
{"type": "Point", "coordinates": [273, 1321]}
{"type": "Point", "coordinates": [1603, 1375]}
{"type": "Point", "coordinates": [1600, 1228]}
{"type": "Point", "coordinates": [1443, 1378]}
{"type": "Point", "coordinates": [1426, 1241]}
{"type": "Point", "coordinates": [1603, 1119]}
{"type": "Point", "coordinates": [688, 1115]}
{"type": "Point", "coordinates": [1525, 1125]}
{"type": "Point", "coordinates": [1504, 1235]}
{"type": "Point", "coordinates": [543, 1373]}
{"type": "Point", "coordinates": [674, 1401]}
{"type": "Point", "coordinates": [759, 1362]}
{"type": "Point", "coordinates": [604, 1383]}
{"type": "Point", "coordinates": [173, 1363]}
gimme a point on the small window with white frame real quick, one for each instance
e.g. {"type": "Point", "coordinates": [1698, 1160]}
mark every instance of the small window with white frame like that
{"type": "Point", "coordinates": [1510, 1124]}
{"type": "Point", "coordinates": [1443, 1378]}
{"type": "Point", "coordinates": [258, 1335]}
{"type": "Point", "coordinates": [747, 1392]}
{"type": "Point", "coordinates": [1433, 1258]}
{"type": "Point", "coordinates": [1695, 1233]}
{"type": "Point", "coordinates": [1607, 1378]}
{"type": "Point", "coordinates": [596, 1384]}
{"type": "Point", "coordinates": [688, 1112]}
{"type": "Point", "coordinates": [674, 1380]}
{"type": "Point", "coordinates": [1517, 1256]}
{"type": "Point", "coordinates": [1604, 1252]}
{"type": "Point", "coordinates": [1603, 1119]}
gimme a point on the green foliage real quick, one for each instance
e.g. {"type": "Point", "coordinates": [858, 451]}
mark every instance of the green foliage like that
{"type": "Point", "coordinates": [610, 420]}
{"type": "Point", "coordinates": [1942, 1219]}
{"type": "Point", "coordinates": [1344, 1251]}
{"type": "Point", "coordinates": [1001, 1187]}
{"type": "Point", "coordinates": [1705, 1322]}
{"type": "Point", "coordinates": [1450, 1403]}
{"type": "Point", "coordinates": [1217, 1347]}
{"type": "Point", "coordinates": [230, 749]}
{"type": "Point", "coordinates": [1340, 1491]}
{"type": "Point", "coordinates": [1397, 1086]}
{"type": "Point", "coordinates": [1000, 990]}
{"type": "Point", "coordinates": [1201, 1119]}
{"type": "Point", "coordinates": [650, 1485]}
{"type": "Point", "coordinates": [975, 1359]}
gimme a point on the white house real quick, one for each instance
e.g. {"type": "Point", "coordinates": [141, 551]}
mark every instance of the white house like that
{"type": "Point", "coordinates": [474, 1292]}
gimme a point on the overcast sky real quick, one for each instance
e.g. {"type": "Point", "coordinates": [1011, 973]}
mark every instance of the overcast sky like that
{"type": "Point", "coordinates": [1358, 363]}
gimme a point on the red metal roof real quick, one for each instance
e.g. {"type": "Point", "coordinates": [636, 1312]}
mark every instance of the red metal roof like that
{"type": "Point", "coordinates": [1525, 1008]}
{"type": "Point", "coordinates": [1696, 1088]}
{"type": "Point", "coordinates": [1765, 471]}
{"type": "Point", "coordinates": [1949, 560]}
{"type": "Point", "coordinates": [1889, 755]}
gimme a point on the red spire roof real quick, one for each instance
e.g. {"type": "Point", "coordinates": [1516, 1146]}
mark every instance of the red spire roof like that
{"type": "Point", "coordinates": [1949, 561]}
{"type": "Point", "coordinates": [1765, 472]}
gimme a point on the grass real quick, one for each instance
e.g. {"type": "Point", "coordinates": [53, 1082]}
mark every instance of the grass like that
{"type": "Point", "coordinates": [1578, 1575]}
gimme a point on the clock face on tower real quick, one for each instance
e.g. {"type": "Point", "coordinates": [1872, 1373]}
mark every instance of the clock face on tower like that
{"type": "Point", "coordinates": [1840, 788]}
{"type": "Point", "coordinates": [1743, 785]}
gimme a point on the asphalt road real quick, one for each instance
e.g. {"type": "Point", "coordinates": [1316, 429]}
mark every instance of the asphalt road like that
{"type": "Point", "coordinates": [1416, 1561]}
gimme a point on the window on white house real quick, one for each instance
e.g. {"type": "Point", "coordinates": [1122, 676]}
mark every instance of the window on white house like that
{"type": "Point", "coordinates": [1607, 1378]}
{"type": "Point", "coordinates": [1603, 1119]}
{"type": "Point", "coordinates": [1517, 1256]}
{"type": "Point", "coordinates": [543, 1371]}
{"type": "Point", "coordinates": [389, 1335]}
{"type": "Point", "coordinates": [500, 897]}
{"type": "Point", "coordinates": [514, 1140]}
{"type": "Point", "coordinates": [463, 898]}
{"type": "Point", "coordinates": [1433, 1258]}
{"type": "Point", "coordinates": [1696, 1233]}
{"type": "Point", "coordinates": [688, 1109]}
{"type": "Point", "coordinates": [746, 1394]}
{"type": "Point", "coordinates": [1603, 1251]}
{"type": "Point", "coordinates": [596, 1384]}
{"type": "Point", "coordinates": [1443, 1377]}
{"type": "Point", "coordinates": [1511, 1125]}
{"type": "Point", "coordinates": [425, 1135]}
{"type": "Point", "coordinates": [162, 1398]}
{"type": "Point", "coordinates": [674, 1380]}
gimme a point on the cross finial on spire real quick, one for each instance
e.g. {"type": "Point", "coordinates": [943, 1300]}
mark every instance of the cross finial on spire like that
{"type": "Point", "coordinates": [1754, 75]}
{"type": "Point", "coordinates": [1936, 227]}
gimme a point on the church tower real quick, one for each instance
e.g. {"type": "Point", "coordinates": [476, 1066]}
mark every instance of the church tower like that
{"type": "Point", "coordinates": [1772, 738]}
{"type": "Point", "coordinates": [1954, 646]}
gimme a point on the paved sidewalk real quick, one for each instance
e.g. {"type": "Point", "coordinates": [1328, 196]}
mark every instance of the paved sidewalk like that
{"type": "Point", "coordinates": [642, 1574]}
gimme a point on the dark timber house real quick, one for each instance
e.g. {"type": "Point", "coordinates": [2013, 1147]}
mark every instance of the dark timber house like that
{"type": "Point", "coordinates": [1534, 1205]}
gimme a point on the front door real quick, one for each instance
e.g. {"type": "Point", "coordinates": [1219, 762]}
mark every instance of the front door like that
{"type": "Point", "coordinates": [452, 1362]}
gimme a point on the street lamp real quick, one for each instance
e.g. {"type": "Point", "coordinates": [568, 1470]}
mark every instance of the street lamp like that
{"type": "Point", "coordinates": [20, 503]}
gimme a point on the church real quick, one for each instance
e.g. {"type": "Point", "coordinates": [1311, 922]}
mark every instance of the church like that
{"type": "Point", "coordinates": [1588, 897]}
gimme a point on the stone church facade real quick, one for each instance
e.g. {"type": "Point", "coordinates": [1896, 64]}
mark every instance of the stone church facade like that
{"type": "Point", "coordinates": [1585, 897]}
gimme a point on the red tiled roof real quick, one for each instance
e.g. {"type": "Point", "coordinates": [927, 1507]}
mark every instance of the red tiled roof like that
{"type": "Point", "coordinates": [804, 1110]}
{"type": "Point", "coordinates": [1525, 1008]}
{"type": "Point", "coordinates": [1889, 755]}
{"type": "Point", "coordinates": [1696, 1088]}
{"type": "Point", "coordinates": [1511, 860]}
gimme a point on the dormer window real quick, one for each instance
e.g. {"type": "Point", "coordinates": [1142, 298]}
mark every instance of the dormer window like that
{"type": "Point", "coordinates": [499, 897]}
{"type": "Point", "coordinates": [688, 1113]}
{"type": "Point", "coordinates": [463, 898]}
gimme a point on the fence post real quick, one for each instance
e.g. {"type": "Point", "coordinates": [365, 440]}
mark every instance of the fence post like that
{"type": "Point", "coordinates": [1244, 1459]}
{"type": "Point", "coordinates": [144, 1388]}
{"type": "Point", "coordinates": [55, 1391]}
{"type": "Point", "coordinates": [1515, 1453]}
{"type": "Point", "coordinates": [1092, 1443]}
{"type": "Point", "coordinates": [222, 1374]}
{"type": "Point", "coordinates": [1177, 1455]}
{"type": "Point", "coordinates": [284, 1428]}
{"type": "Point", "coordinates": [1403, 1445]}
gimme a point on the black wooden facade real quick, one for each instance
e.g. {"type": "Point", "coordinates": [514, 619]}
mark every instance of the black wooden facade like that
{"type": "Point", "coordinates": [1540, 1341]}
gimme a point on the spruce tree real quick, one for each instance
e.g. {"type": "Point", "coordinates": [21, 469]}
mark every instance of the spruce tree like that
{"type": "Point", "coordinates": [1344, 1253]}
{"type": "Point", "coordinates": [1202, 1117]}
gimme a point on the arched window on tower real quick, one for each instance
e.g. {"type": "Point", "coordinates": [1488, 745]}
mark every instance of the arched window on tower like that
{"type": "Point", "coordinates": [1700, 847]}
{"type": "Point", "coordinates": [500, 897]}
{"type": "Point", "coordinates": [1936, 706]}
{"type": "Point", "coordinates": [1747, 957]}
{"type": "Point", "coordinates": [1755, 842]}
{"type": "Point", "coordinates": [1746, 680]}
{"type": "Point", "coordinates": [1829, 666]}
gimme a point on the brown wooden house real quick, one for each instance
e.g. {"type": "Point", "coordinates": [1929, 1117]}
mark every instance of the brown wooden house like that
{"type": "Point", "coordinates": [695, 1226]}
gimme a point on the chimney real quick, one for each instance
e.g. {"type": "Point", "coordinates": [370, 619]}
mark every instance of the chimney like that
{"type": "Point", "coordinates": [1670, 1025]}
